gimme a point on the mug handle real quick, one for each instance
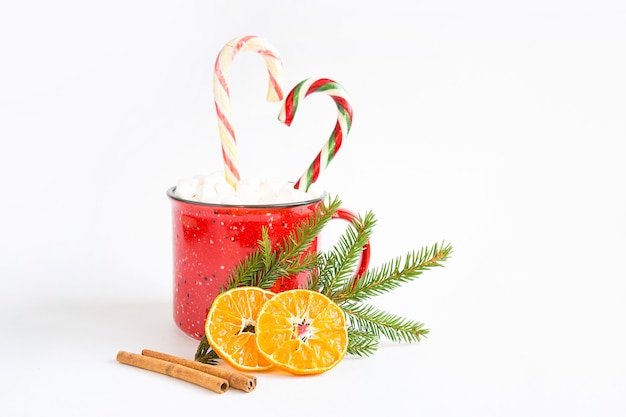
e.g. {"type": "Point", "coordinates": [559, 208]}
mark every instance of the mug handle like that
{"type": "Point", "coordinates": [349, 216]}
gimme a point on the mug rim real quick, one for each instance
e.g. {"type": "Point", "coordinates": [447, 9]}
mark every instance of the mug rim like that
{"type": "Point", "coordinates": [171, 194]}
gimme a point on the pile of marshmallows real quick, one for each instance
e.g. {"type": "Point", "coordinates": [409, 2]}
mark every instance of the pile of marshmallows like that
{"type": "Point", "coordinates": [213, 189]}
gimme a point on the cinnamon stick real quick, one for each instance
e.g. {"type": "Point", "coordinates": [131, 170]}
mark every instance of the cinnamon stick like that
{"type": "Point", "coordinates": [184, 373]}
{"type": "Point", "coordinates": [236, 379]}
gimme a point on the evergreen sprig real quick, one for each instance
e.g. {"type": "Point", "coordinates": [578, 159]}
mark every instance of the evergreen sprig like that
{"type": "Point", "coordinates": [392, 274]}
{"type": "Point", "coordinates": [266, 265]}
{"type": "Point", "coordinates": [367, 318]}
{"type": "Point", "coordinates": [362, 343]}
{"type": "Point", "coordinates": [337, 267]}
{"type": "Point", "coordinates": [205, 353]}
{"type": "Point", "coordinates": [333, 274]}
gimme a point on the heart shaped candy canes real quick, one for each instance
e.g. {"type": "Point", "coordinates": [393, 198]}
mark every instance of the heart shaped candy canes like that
{"type": "Point", "coordinates": [341, 130]}
{"type": "Point", "coordinates": [222, 95]}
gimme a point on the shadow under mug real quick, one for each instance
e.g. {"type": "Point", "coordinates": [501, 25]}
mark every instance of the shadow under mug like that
{"type": "Point", "coordinates": [209, 240]}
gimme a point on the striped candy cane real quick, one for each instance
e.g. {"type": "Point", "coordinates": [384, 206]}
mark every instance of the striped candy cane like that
{"type": "Point", "coordinates": [222, 95]}
{"type": "Point", "coordinates": [341, 130]}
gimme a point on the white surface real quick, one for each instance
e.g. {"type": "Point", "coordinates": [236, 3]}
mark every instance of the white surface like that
{"type": "Point", "coordinates": [496, 126]}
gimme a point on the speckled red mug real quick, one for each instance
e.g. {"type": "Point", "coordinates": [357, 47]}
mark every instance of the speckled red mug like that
{"type": "Point", "coordinates": [209, 240]}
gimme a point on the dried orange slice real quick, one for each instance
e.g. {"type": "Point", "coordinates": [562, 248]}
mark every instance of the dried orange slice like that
{"type": "Point", "coordinates": [231, 327]}
{"type": "Point", "coordinates": [302, 332]}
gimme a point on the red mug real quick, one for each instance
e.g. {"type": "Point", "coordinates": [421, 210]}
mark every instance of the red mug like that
{"type": "Point", "coordinates": [209, 240]}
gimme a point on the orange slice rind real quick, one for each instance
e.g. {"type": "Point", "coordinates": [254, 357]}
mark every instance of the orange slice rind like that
{"type": "Point", "coordinates": [302, 332]}
{"type": "Point", "coordinates": [231, 327]}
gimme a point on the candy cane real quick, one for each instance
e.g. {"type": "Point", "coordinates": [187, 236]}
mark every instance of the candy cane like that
{"type": "Point", "coordinates": [222, 95]}
{"type": "Point", "coordinates": [341, 130]}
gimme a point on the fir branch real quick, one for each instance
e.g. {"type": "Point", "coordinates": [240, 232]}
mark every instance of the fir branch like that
{"type": "Point", "coordinates": [266, 265]}
{"type": "Point", "coordinates": [205, 353]}
{"type": "Point", "coordinates": [300, 239]}
{"type": "Point", "coordinates": [341, 262]}
{"type": "Point", "coordinates": [361, 343]}
{"type": "Point", "coordinates": [246, 272]}
{"type": "Point", "coordinates": [332, 274]}
{"type": "Point", "coordinates": [368, 318]}
{"type": "Point", "coordinates": [392, 274]}
{"type": "Point", "coordinates": [278, 268]}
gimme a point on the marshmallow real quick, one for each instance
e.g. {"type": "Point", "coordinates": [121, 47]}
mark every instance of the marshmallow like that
{"type": "Point", "coordinates": [187, 189]}
{"type": "Point", "coordinates": [251, 191]}
{"type": "Point", "coordinates": [224, 190]}
{"type": "Point", "coordinates": [207, 193]}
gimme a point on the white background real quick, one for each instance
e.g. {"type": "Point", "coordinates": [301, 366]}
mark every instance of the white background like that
{"type": "Point", "coordinates": [497, 126]}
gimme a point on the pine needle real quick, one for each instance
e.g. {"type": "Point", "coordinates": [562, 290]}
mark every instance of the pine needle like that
{"type": "Point", "coordinates": [341, 262]}
{"type": "Point", "coordinates": [265, 265]}
{"type": "Point", "coordinates": [368, 318]}
{"type": "Point", "coordinates": [361, 343]}
{"type": "Point", "coordinates": [394, 273]}
{"type": "Point", "coordinates": [332, 273]}
{"type": "Point", "coordinates": [206, 354]}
